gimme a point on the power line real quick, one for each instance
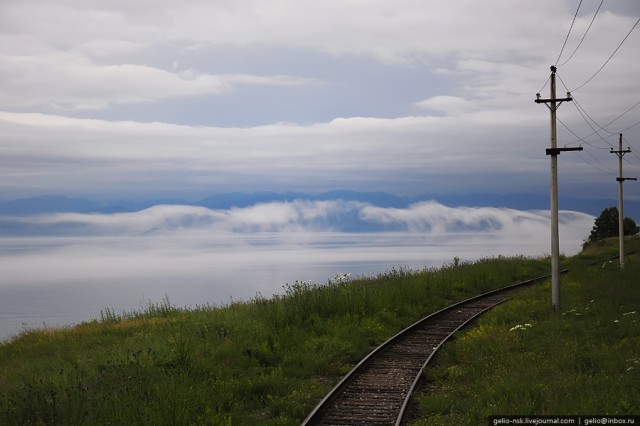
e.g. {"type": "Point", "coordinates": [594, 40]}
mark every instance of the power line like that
{"type": "Point", "coordinates": [631, 162]}
{"type": "Point", "coordinates": [591, 145]}
{"type": "Point", "coordinates": [604, 170]}
{"type": "Point", "coordinates": [580, 139]}
{"type": "Point", "coordinates": [604, 128]}
{"type": "Point", "coordinates": [632, 151]}
{"type": "Point", "coordinates": [583, 139]}
{"type": "Point", "coordinates": [622, 115]}
{"type": "Point", "coordinates": [603, 164]}
{"type": "Point", "coordinates": [585, 33]}
{"type": "Point", "coordinates": [572, 132]}
{"type": "Point", "coordinates": [583, 112]}
{"type": "Point", "coordinates": [567, 37]}
{"type": "Point", "coordinates": [580, 110]}
{"type": "Point", "coordinates": [545, 84]}
{"type": "Point", "coordinates": [594, 121]}
{"type": "Point", "coordinates": [564, 44]}
{"type": "Point", "coordinates": [607, 61]}
{"type": "Point", "coordinates": [630, 127]}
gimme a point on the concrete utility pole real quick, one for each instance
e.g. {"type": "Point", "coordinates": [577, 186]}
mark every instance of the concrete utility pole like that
{"type": "Point", "coordinates": [553, 103]}
{"type": "Point", "coordinates": [620, 153]}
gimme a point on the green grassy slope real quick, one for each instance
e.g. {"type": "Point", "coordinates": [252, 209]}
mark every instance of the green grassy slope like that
{"type": "Point", "coordinates": [269, 361]}
{"type": "Point", "coordinates": [263, 362]}
{"type": "Point", "coordinates": [523, 358]}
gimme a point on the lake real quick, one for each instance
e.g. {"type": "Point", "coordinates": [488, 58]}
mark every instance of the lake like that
{"type": "Point", "coordinates": [58, 281]}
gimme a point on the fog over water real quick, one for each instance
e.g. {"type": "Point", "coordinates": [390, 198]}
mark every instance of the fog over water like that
{"type": "Point", "coordinates": [73, 266]}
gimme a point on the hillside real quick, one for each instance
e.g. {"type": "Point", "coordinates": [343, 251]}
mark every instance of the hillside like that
{"type": "Point", "coordinates": [268, 361]}
{"type": "Point", "coordinates": [522, 358]}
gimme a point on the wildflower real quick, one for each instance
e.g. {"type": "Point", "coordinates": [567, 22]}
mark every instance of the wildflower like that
{"type": "Point", "coordinates": [338, 278]}
{"type": "Point", "coordinates": [629, 313]}
{"type": "Point", "coordinates": [617, 321]}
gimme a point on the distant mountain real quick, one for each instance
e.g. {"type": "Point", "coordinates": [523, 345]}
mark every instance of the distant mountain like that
{"type": "Point", "coordinates": [244, 199]}
{"type": "Point", "coordinates": [47, 204]}
{"type": "Point", "coordinates": [380, 199]}
{"type": "Point", "coordinates": [518, 201]}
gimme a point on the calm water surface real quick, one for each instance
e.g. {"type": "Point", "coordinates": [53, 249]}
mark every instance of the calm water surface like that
{"type": "Point", "coordinates": [52, 282]}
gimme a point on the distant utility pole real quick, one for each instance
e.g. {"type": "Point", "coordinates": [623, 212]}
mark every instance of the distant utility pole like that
{"type": "Point", "coordinates": [620, 153]}
{"type": "Point", "coordinates": [553, 103]}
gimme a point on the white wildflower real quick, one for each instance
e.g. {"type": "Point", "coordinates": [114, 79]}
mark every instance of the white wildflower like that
{"type": "Point", "coordinates": [338, 278]}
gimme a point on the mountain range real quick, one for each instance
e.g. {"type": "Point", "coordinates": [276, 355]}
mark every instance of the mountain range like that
{"type": "Point", "coordinates": [46, 204]}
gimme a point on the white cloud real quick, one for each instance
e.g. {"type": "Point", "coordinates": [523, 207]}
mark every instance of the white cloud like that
{"type": "Point", "coordinates": [68, 82]}
{"type": "Point", "coordinates": [429, 219]}
{"type": "Point", "coordinates": [398, 32]}
{"type": "Point", "coordinates": [451, 105]}
{"type": "Point", "coordinates": [404, 32]}
{"type": "Point", "coordinates": [162, 219]}
{"type": "Point", "coordinates": [479, 63]}
{"type": "Point", "coordinates": [127, 154]}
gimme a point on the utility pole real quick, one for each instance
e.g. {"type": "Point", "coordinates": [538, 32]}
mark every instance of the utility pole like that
{"type": "Point", "coordinates": [553, 103]}
{"type": "Point", "coordinates": [620, 153]}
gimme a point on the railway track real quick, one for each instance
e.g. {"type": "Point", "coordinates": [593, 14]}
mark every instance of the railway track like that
{"type": "Point", "coordinates": [377, 390]}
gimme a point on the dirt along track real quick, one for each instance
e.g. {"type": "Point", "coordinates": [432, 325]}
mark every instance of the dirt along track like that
{"type": "Point", "coordinates": [377, 390]}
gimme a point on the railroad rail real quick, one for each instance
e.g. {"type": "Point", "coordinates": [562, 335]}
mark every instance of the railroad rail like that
{"type": "Point", "coordinates": [378, 389]}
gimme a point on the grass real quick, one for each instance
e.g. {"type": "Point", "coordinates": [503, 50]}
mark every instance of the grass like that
{"type": "Point", "coordinates": [523, 358]}
{"type": "Point", "coordinates": [261, 362]}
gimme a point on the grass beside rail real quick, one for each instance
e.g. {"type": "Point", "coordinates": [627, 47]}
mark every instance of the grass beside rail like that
{"type": "Point", "coordinates": [525, 359]}
{"type": "Point", "coordinates": [260, 362]}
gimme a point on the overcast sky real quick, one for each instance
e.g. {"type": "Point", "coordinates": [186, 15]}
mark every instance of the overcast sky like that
{"type": "Point", "coordinates": [143, 99]}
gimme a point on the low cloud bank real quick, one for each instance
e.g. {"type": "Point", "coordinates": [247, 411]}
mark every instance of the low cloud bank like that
{"type": "Point", "coordinates": [276, 242]}
{"type": "Point", "coordinates": [293, 223]}
{"type": "Point", "coordinates": [428, 218]}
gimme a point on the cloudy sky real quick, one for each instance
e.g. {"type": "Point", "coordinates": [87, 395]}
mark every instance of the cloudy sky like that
{"type": "Point", "coordinates": [164, 98]}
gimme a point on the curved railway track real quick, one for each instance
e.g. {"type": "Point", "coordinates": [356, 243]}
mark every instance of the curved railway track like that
{"type": "Point", "coordinates": [377, 390]}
